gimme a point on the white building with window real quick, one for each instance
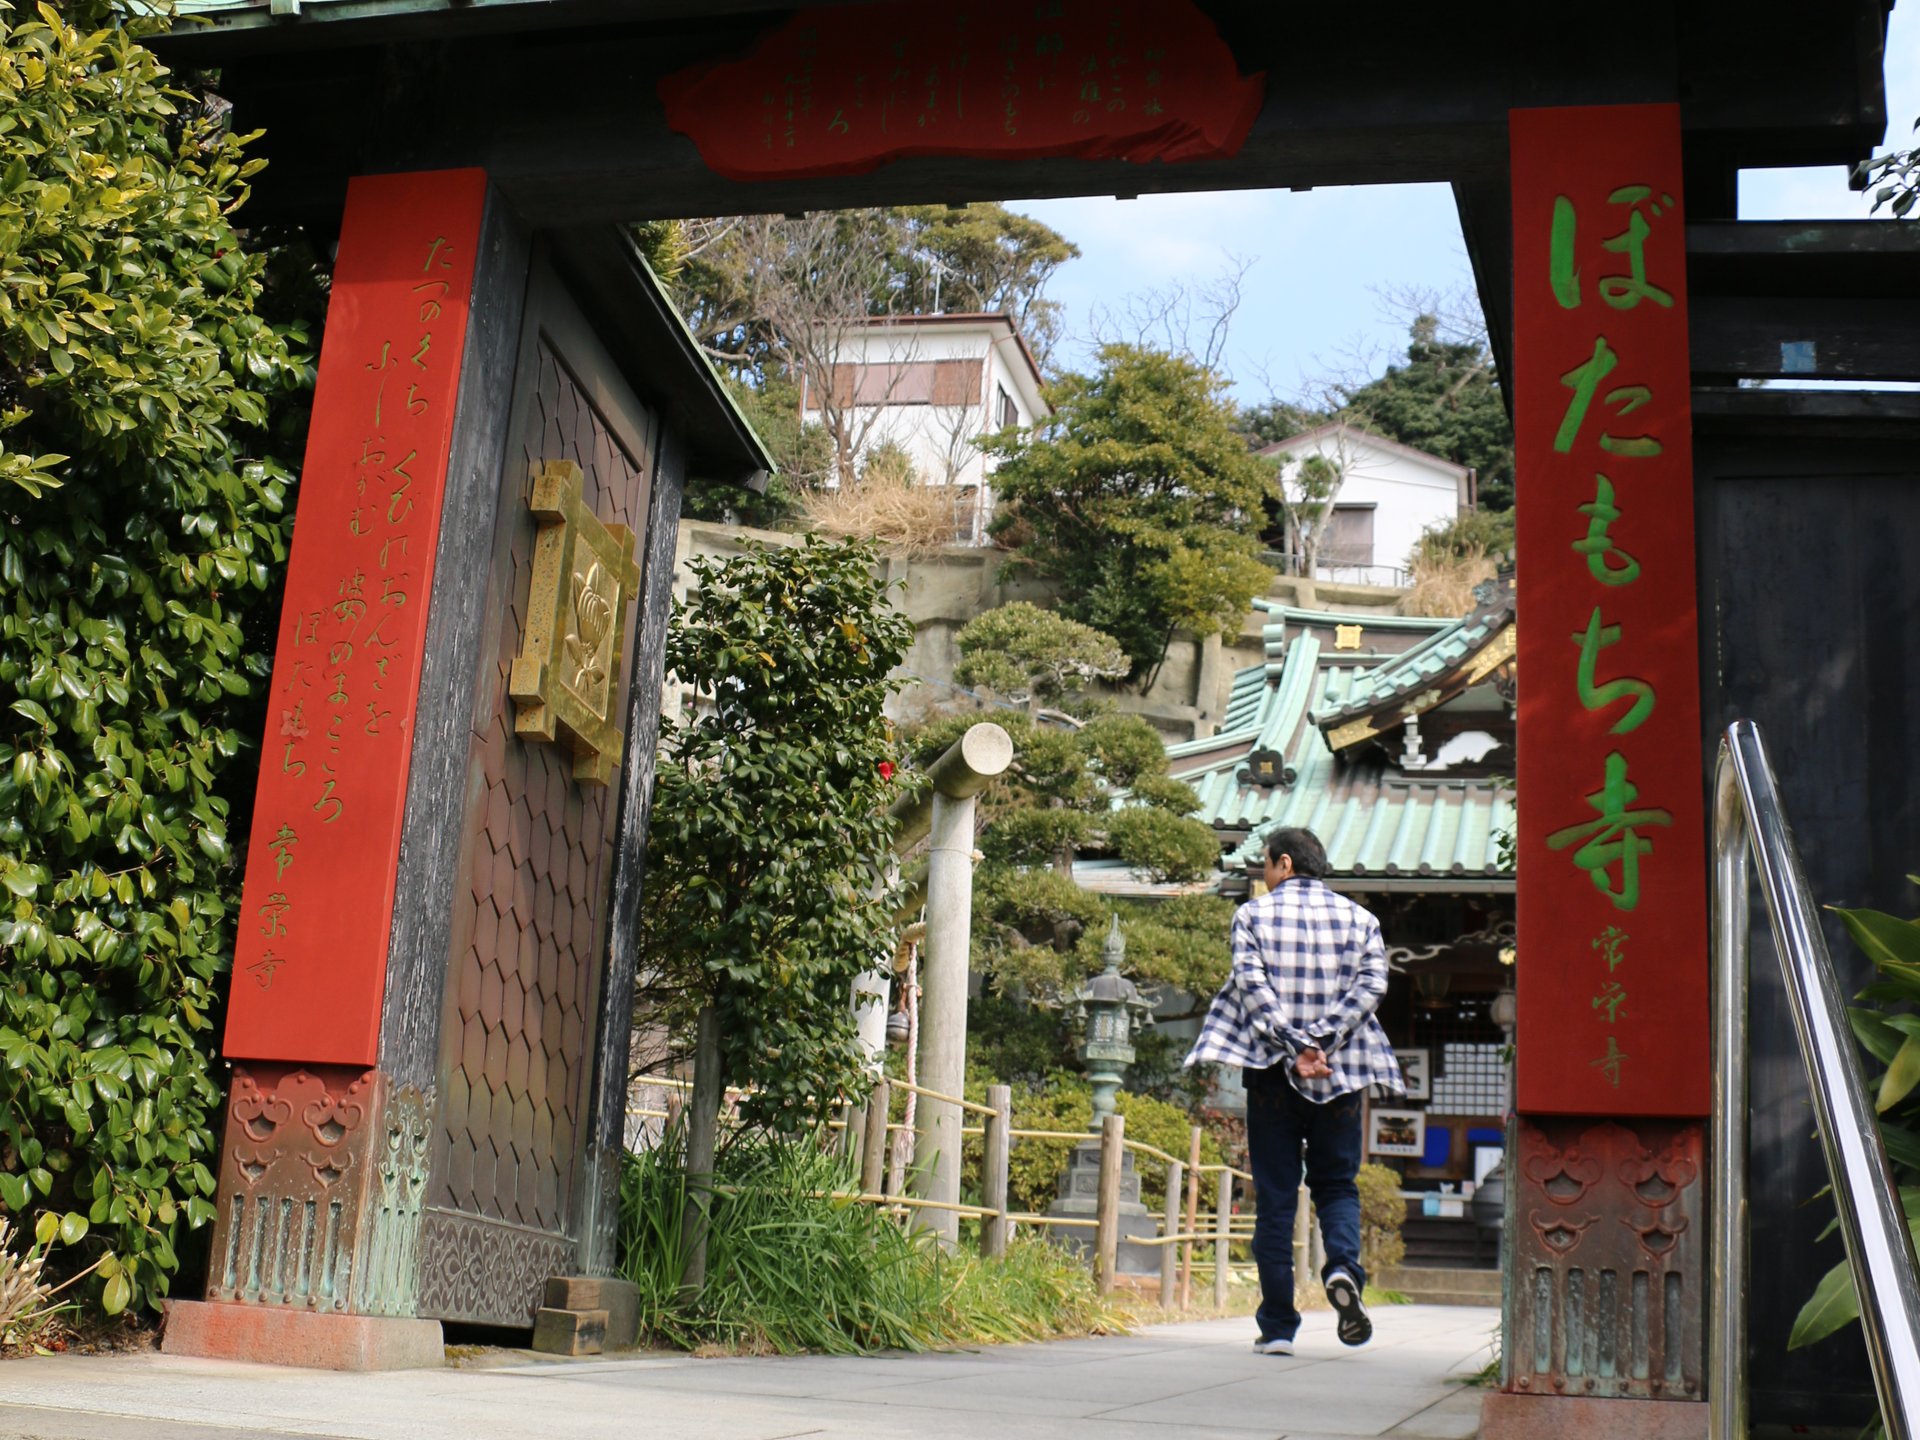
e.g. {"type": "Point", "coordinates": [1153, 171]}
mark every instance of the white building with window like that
{"type": "Point", "coordinates": [1389, 495]}
{"type": "Point", "coordinates": [933, 385]}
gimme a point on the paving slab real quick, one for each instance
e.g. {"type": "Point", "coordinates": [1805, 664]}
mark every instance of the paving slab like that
{"type": "Point", "coordinates": [1197, 1381]}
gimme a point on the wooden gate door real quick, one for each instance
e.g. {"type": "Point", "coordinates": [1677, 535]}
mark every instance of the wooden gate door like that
{"type": "Point", "coordinates": [506, 1201]}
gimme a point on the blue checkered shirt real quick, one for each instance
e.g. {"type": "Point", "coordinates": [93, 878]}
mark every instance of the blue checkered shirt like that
{"type": "Point", "coordinates": [1309, 969]}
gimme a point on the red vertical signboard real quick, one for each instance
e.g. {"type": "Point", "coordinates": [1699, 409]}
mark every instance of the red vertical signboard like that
{"type": "Point", "coordinates": [316, 912]}
{"type": "Point", "coordinates": [1612, 852]}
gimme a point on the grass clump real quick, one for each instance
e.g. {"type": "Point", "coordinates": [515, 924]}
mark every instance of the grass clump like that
{"type": "Point", "coordinates": [794, 1264]}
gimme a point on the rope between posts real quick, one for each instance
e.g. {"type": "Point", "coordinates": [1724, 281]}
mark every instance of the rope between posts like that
{"type": "Point", "coordinates": [970, 1106]}
{"type": "Point", "coordinates": [1029, 1218]}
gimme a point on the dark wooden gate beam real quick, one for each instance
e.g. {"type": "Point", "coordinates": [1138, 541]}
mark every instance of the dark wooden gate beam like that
{"type": "Point", "coordinates": [563, 113]}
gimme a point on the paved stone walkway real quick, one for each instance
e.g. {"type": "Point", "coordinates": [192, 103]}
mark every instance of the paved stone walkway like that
{"type": "Point", "coordinates": [1196, 1381]}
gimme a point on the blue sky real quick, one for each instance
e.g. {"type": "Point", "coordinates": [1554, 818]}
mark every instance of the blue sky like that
{"type": "Point", "coordinates": [1312, 299]}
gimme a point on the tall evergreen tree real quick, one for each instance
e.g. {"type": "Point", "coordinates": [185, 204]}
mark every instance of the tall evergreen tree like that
{"type": "Point", "coordinates": [1445, 400]}
{"type": "Point", "coordinates": [1139, 501]}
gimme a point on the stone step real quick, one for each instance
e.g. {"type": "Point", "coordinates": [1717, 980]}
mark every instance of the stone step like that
{"type": "Point", "coordinates": [1431, 1285]}
{"type": "Point", "coordinates": [1450, 1297]}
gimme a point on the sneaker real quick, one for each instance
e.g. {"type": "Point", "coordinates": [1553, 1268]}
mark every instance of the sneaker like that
{"type": "Point", "coordinates": [1354, 1327]}
{"type": "Point", "coordinates": [1278, 1345]}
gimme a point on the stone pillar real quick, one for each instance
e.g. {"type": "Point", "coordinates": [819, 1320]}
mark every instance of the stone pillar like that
{"type": "Point", "coordinates": [966, 769]}
{"type": "Point", "coordinates": [943, 1008]}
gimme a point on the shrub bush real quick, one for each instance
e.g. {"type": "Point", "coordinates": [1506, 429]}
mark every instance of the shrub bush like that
{"type": "Point", "coordinates": [1382, 1212]}
{"type": "Point", "coordinates": [146, 524]}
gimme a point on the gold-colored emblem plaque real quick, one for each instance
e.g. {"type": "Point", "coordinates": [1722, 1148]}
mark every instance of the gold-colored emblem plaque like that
{"type": "Point", "coordinates": [566, 679]}
{"type": "Point", "coordinates": [1346, 637]}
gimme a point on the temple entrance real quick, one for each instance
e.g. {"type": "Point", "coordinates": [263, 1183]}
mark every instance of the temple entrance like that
{"type": "Point", "coordinates": [1572, 167]}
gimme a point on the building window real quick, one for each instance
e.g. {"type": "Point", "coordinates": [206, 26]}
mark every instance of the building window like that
{"type": "Point", "coordinates": [1008, 414]}
{"type": "Point", "coordinates": [914, 382]}
{"type": "Point", "coordinates": [1349, 538]}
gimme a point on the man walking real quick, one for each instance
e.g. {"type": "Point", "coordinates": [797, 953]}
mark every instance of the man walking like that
{"type": "Point", "coordinates": [1309, 969]}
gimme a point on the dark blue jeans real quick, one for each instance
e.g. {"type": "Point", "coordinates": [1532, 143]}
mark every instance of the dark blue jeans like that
{"type": "Point", "coordinates": [1280, 1122]}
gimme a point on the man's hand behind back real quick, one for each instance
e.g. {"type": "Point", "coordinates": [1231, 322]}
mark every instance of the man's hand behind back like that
{"type": "Point", "coordinates": [1311, 1064]}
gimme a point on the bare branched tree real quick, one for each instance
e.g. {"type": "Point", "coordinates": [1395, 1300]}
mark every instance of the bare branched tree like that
{"type": "Point", "coordinates": [1189, 318]}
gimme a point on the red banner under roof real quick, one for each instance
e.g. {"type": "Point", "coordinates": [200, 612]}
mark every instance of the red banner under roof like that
{"type": "Point", "coordinates": [839, 90]}
{"type": "Point", "coordinates": [1612, 849]}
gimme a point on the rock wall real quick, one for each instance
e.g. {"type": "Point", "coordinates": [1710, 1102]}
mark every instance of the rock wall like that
{"type": "Point", "coordinates": [947, 588]}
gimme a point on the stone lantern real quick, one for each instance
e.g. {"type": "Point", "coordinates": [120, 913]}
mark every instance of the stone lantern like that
{"type": "Point", "coordinates": [1112, 1009]}
{"type": "Point", "coordinates": [1109, 1008]}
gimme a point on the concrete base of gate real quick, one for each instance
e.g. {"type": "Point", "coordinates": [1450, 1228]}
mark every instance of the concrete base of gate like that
{"type": "Point", "coordinates": [1581, 1417]}
{"type": "Point", "coordinates": [271, 1336]}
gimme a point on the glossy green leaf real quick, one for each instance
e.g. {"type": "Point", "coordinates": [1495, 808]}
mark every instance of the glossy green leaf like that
{"type": "Point", "coordinates": [1902, 1075]}
{"type": "Point", "coordinates": [1831, 1306]}
{"type": "Point", "coordinates": [1888, 941]}
{"type": "Point", "coordinates": [115, 1293]}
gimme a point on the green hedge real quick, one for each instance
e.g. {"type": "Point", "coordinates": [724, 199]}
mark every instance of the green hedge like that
{"type": "Point", "coordinates": [146, 526]}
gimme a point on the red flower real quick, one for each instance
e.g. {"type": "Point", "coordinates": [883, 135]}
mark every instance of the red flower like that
{"type": "Point", "coordinates": [886, 769]}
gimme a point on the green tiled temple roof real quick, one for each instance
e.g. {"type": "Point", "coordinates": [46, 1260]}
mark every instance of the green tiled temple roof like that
{"type": "Point", "coordinates": [1398, 681]}
{"type": "Point", "coordinates": [1376, 821]}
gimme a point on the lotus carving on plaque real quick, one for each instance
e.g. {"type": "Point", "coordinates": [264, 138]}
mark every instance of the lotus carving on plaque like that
{"type": "Point", "coordinates": [564, 681]}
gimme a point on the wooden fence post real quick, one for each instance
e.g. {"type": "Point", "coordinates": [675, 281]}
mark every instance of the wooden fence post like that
{"type": "Point", "coordinates": [1302, 1242]}
{"type": "Point", "coordinates": [703, 1133]}
{"type": "Point", "coordinates": [873, 1149]}
{"type": "Point", "coordinates": [994, 1228]}
{"type": "Point", "coordinates": [1170, 1225]}
{"type": "Point", "coordinates": [1193, 1217]}
{"type": "Point", "coordinates": [1222, 1223]}
{"type": "Point", "coordinates": [1113, 1149]}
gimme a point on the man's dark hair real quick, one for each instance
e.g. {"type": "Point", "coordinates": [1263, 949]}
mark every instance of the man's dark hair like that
{"type": "Point", "coordinates": [1309, 855]}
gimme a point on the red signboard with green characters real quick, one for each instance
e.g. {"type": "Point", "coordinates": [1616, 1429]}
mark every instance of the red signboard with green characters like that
{"type": "Point", "coordinates": [316, 912]}
{"type": "Point", "coordinates": [1612, 851]}
{"type": "Point", "coordinates": [839, 90]}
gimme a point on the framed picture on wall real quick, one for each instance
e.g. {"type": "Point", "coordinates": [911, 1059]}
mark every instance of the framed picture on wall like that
{"type": "Point", "coordinates": [1415, 1072]}
{"type": "Point", "coordinates": [1396, 1132]}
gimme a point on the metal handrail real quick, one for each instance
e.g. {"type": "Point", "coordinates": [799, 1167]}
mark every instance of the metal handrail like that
{"type": "Point", "coordinates": [1748, 822]}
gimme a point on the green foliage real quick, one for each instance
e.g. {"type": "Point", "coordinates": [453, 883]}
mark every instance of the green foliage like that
{"type": "Point", "coordinates": [1135, 502]}
{"type": "Point", "coordinates": [1894, 178]}
{"type": "Point", "coordinates": [1446, 401]}
{"type": "Point", "coordinates": [1035, 931]}
{"type": "Point", "coordinates": [1065, 1102]}
{"type": "Point", "coordinates": [769, 828]}
{"type": "Point", "coordinates": [1012, 1040]}
{"type": "Point", "coordinates": [1034, 657]}
{"type": "Point", "coordinates": [794, 1265]}
{"type": "Point", "coordinates": [1176, 797]}
{"type": "Point", "coordinates": [1465, 537]}
{"type": "Point", "coordinates": [146, 526]}
{"type": "Point", "coordinates": [1162, 846]}
{"type": "Point", "coordinates": [1382, 1213]}
{"type": "Point", "coordinates": [1179, 942]}
{"type": "Point", "coordinates": [1888, 1029]}
{"type": "Point", "coordinates": [981, 257]}
{"type": "Point", "coordinates": [1126, 748]}
{"type": "Point", "coordinates": [802, 456]}
{"type": "Point", "coordinates": [1272, 421]}
{"type": "Point", "coordinates": [1302, 503]}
